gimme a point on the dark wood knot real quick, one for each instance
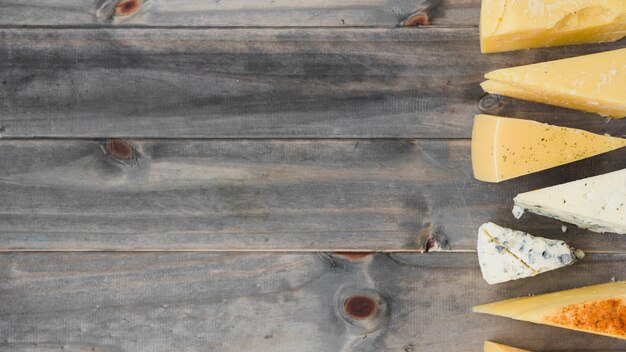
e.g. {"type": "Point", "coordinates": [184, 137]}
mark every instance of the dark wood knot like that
{"type": "Point", "coordinates": [422, 15]}
{"type": "Point", "coordinates": [363, 309]}
{"type": "Point", "coordinates": [360, 307]}
{"type": "Point", "coordinates": [490, 103]}
{"type": "Point", "coordinates": [127, 7]}
{"type": "Point", "coordinates": [120, 151]}
{"type": "Point", "coordinates": [353, 256]}
{"type": "Point", "coordinates": [416, 19]}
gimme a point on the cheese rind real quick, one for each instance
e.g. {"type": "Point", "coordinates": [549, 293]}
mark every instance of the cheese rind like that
{"type": "Point", "coordinates": [600, 88]}
{"type": "Point", "coordinates": [505, 254]}
{"type": "Point", "coordinates": [507, 25]}
{"type": "Point", "coordinates": [496, 347]}
{"type": "Point", "coordinates": [599, 309]}
{"type": "Point", "coordinates": [505, 148]}
{"type": "Point", "coordinates": [596, 203]}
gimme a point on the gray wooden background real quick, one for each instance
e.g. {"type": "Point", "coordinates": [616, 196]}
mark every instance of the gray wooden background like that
{"type": "Point", "coordinates": [141, 133]}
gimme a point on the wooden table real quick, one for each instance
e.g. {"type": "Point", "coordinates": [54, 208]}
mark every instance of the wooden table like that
{"type": "Point", "coordinates": [195, 172]}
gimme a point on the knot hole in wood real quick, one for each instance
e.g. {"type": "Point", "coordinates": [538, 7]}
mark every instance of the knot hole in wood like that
{"type": "Point", "coordinates": [120, 151]}
{"type": "Point", "coordinates": [352, 256]}
{"type": "Point", "coordinates": [109, 10]}
{"type": "Point", "coordinates": [490, 104]}
{"type": "Point", "coordinates": [422, 15]}
{"type": "Point", "coordinates": [363, 309]}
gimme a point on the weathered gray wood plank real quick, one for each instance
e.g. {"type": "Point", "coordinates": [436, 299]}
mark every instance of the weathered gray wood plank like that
{"type": "Point", "coordinates": [222, 83]}
{"type": "Point", "coordinates": [385, 195]}
{"type": "Point", "coordinates": [273, 302]}
{"type": "Point", "coordinates": [254, 13]}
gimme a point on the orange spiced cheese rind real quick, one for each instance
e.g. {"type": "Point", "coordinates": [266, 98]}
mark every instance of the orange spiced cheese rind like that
{"type": "Point", "coordinates": [504, 148]}
{"type": "Point", "coordinates": [496, 347]}
{"type": "Point", "coordinates": [507, 25]}
{"type": "Point", "coordinates": [599, 309]}
{"type": "Point", "coordinates": [594, 83]}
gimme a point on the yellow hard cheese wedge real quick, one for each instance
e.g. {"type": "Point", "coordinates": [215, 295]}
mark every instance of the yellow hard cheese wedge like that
{"type": "Point", "coordinates": [599, 309]}
{"type": "Point", "coordinates": [504, 148]}
{"type": "Point", "coordinates": [496, 347]}
{"type": "Point", "coordinates": [520, 24]}
{"type": "Point", "coordinates": [593, 83]}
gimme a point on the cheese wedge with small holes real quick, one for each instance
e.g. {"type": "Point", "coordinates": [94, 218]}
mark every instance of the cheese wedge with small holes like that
{"type": "Point", "coordinates": [596, 203]}
{"type": "Point", "coordinates": [507, 25]}
{"type": "Point", "coordinates": [496, 347]}
{"type": "Point", "coordinates": [504, 148]}
{"type": "Point", "coordinates": [598, 88]}
{"type": "Point", "coordinates": [599, 309]}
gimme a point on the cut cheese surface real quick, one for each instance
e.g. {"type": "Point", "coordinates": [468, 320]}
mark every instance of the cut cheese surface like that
{"type": "Point", "coordinates": [599, 309]}
{"type": "Point", "coordinates": [505, 148]}
{"type": "Point", "coordinates": [520, 24]}
{"type": "Point", "coordinates": [505, 254]}
{"type": "Point", "coordinates": [596, 203]}
{"type": "Point", "coordinates": [496, 347]}
{"type": "Point", "coordinates": [598, 88]}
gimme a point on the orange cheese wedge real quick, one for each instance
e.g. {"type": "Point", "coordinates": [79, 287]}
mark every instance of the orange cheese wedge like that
{"type": "Point", "coordinates": [599, 309]}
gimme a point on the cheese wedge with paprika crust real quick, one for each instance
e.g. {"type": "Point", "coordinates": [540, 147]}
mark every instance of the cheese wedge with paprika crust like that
{"type": "Point", "coordinates": [496, 347]}
{"type": "Point", "coordinates": [594, 83]}
{"type": "Point", "coordinates": [504, 148]}
{"type": "Point", "coordinates": [507, 25]}
{"type": "Point", "coordinates": [599, 309]}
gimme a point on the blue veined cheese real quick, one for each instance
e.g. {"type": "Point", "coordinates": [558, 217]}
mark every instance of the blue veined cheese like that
{"type": "Point", "coordinates": [596, 203]}
{"type": "Point", "coordinates": [505, 254]}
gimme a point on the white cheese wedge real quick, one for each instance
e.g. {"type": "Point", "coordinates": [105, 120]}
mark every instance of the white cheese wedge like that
{"type": "Point", "coordinates": [596, 203]}
{"type": "Point", "coordinates": [505, 254]}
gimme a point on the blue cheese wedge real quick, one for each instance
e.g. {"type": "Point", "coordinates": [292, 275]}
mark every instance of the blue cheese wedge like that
{"type": "Point", "coordinates": [506, 254]}
{"type": "Point", "coordinates": [596, 203]}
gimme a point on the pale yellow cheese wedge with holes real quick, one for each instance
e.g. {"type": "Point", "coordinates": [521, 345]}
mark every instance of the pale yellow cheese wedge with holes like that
{"type": "Point", "coordinates": [599, 309]}
{"type": "Point", "coordinates": [594, 83]}
{"type": "Point", "coordinates": [507, 25]}
{"type": "Point", "coordinates": [496, 347]}
{"type": "Point", "coordinates": [504, 148]}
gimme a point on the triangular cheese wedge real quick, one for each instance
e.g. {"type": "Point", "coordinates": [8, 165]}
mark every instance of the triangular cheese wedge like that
{"type": "Point", "coordinates": [505, 254]}
{"type": "Point", "coordinates": [593, 83]}
{"type": "Point", "coordinates": [599, 309]}
{"type": "Point", "coordinates": [505, 148]}
{"type": "Point", "coordinates": [596, 203]}
{"type": "Point", "coordinates": [496, 347]}
{"type": "Point", "coordinates": [520, 24]}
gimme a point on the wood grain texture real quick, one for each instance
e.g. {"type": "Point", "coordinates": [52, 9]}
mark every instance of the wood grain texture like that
{"type": "Point", "coordinates": [273, 302]}
{"type": "Point", "coordinates": [221, 13]}
{"type": "Point", "coordinates": [269, 83]}
{"type": "Point", "coordinates": [383, 195]}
